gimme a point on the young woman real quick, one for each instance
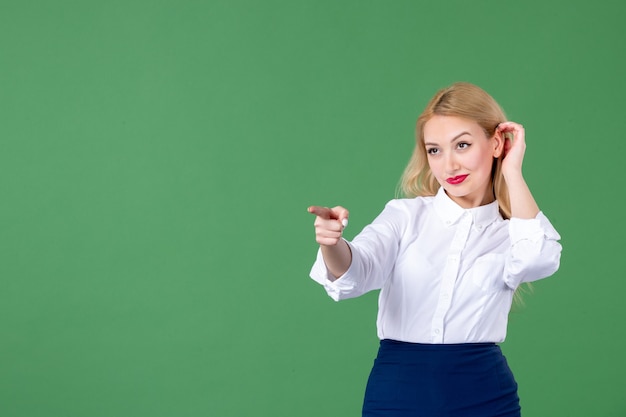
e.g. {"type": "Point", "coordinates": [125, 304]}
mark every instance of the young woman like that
{"type": "Point", "coordinates": [448, 260]}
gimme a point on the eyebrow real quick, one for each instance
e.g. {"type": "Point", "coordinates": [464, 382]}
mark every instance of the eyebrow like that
{"type": "Point", "coordinates": [451, 140]}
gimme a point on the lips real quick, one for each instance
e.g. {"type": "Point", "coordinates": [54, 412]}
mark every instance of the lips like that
{"type": "Point", "coordinates": [456, 180]}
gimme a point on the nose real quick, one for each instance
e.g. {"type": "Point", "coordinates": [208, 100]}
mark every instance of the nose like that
{"type": "Point", "coordinates": [451, 164]}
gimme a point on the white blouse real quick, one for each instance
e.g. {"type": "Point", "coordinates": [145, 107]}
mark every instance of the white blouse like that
{"type": "Point", "coordinates": [446, 274]}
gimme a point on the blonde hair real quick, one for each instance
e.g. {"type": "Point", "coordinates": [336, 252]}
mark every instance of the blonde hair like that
{"type": "Point", "coordinates": [461, 100]}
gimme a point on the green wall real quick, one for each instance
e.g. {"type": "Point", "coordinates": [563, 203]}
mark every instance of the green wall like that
{"type": "Point", "coordinates": [157, 159]}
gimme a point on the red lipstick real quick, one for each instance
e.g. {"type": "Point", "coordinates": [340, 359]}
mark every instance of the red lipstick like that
{"type": "Point", "coordinates": [456, 180]}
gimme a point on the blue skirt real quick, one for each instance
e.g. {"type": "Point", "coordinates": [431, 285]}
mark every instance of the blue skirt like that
{"type": "Point", "coordinates": [435, 380]}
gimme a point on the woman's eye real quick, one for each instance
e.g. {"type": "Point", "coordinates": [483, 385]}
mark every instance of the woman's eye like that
{"type": "Point", "coordinates": [463, 145]}
{"type": "Point", "coordinates": [432, 151]}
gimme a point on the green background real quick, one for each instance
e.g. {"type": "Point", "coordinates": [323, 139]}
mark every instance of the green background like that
{"type": "Point", "coordinates": [157, 159]}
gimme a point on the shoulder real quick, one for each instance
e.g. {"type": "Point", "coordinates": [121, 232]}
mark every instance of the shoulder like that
{"type": "Point", "coordinates": [407, 208]}
{"type": "Point", "coordinates": [410, 204]}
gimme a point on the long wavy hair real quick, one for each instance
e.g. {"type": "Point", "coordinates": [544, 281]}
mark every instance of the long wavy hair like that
{"type": "Point", "coordinates": [461, 100]}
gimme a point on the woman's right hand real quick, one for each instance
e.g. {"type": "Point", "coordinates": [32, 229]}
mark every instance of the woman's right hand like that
{"type": "Point", "coordinates": [329, 224]}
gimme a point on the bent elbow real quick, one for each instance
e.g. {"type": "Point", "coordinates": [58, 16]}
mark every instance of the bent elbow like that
{"type": "Point", "coordinates": [534, 265]}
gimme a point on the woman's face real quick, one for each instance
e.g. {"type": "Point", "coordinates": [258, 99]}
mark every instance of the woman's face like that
{"type": "Point", "coordinates": [461, 157]}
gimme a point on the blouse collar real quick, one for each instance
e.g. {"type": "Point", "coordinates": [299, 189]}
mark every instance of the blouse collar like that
{"type": "Point", "coordinates": [450, 212]}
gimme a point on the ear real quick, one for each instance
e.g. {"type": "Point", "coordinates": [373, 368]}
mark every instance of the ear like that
{"type": "Point", "coordinates": [498, 144]}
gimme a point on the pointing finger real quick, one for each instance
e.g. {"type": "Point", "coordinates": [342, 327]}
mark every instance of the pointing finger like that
{"type": "Point", "coordinates": [335, 213]}
{"type": "Point", "coordinates": [323, 212]}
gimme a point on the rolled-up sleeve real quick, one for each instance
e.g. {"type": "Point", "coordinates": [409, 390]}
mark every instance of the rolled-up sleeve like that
{"type": "Point", "coordinates": [337, 288]}
{"type": "Point", "coordinates": [374, 252]}
{"type": "Point", "coordinates": [535, 251]}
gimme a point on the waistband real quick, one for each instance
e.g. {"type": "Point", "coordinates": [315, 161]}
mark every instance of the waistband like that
{"type": "Point", "coordinates": [410, 346]}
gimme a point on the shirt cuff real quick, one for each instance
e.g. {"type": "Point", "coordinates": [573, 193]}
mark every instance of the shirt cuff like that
{"type": "Point", "coordinates": [335, 287]}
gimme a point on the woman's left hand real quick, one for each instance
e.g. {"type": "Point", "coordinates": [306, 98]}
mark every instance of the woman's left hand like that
{"type": "Point", "coordinates": [514, 147]}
